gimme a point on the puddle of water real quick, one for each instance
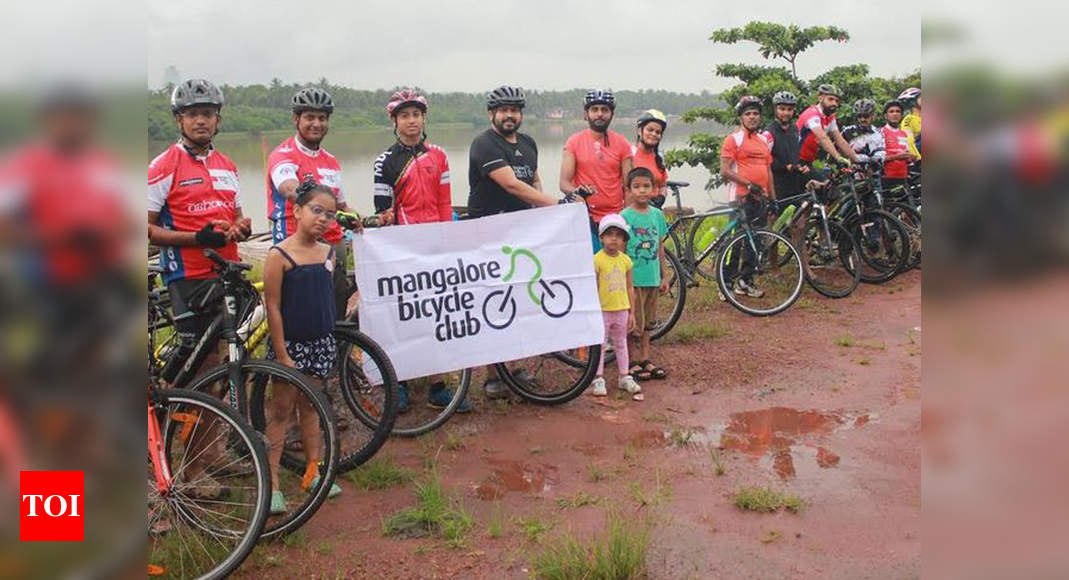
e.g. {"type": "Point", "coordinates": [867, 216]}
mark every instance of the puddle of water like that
{"type": "Point", "coordinates": [509, 475]}
{"type": "Point", "coordinates": [775, 434]}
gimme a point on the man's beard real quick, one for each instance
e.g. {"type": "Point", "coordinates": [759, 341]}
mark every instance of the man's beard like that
{"type": "Point", "coordinates": [602, 128]}
{"type": "Point", "coordinates": [829, 110]}
{"type": "Point", "coordinates": [500, 126]}
{"type": "Point", "coordinates": [312, 142]}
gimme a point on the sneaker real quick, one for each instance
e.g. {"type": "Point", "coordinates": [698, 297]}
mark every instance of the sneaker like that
{"type": "Point", "coordinates": [440, 397]}
{"type": "Point", "coordinates": [495, 389]}
{"type": "Point", "coordinates": [744, 288]}
{"type": "Point", "coordinates": [402, 399]}
{"type": "Point", "coordinates": [629, 384]}
{"type": "Point", "coordinates": [278, 503]}
{"type": "Point", "coordinates": [597, 388]}
{"type": "Point", "coordinates": [335, 491]}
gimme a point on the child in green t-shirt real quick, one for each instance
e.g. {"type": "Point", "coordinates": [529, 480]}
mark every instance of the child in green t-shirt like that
{"type": "Point", "coordinates": [646, 250]}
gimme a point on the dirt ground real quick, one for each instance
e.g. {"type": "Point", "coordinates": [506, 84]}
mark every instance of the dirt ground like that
{"type": "Point", "coordinates": [822, 401]}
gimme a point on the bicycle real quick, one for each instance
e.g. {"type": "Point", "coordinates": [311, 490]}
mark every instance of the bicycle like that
{"type": "Point", "coordinates": [901, 204]}
{"type": "Point", "coordinates": [248, 385]}
{"type": "Point", "coordinates": [831, 257]}
{"type": "Point", "coordinates": [196, 443]}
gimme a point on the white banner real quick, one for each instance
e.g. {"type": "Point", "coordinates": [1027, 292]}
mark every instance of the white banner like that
{"type": "Point", "coordinates": [445, 296]}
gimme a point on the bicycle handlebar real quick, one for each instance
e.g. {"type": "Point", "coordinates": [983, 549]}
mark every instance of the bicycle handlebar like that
{"type": "Point", "coordinates": [223, 263]}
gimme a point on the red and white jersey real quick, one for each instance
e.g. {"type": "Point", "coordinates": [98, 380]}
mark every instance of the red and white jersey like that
{"type": "Point", "coordinates": [813, 118]}
{"type": "Point", "coordinates": [895, 141]}
{"type": "Point", "coordinates": [292, 160]}
{"type": "Point", "coordinates": [189, 191]}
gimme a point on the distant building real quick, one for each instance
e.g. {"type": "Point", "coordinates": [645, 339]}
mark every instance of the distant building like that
{"type": "Point", "coordinates": [171, 76]}
{"type": "Point", "coordinates": [556, 114]}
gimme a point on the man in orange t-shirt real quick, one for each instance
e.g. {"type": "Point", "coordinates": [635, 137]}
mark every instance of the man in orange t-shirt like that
{"type": "Point", "coordinates": [746, 161]}
{"type": "Point", "coordinates": [597, 160]}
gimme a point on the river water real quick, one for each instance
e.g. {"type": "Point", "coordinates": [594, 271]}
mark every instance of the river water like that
{"type": "Point", "coordinates": [357, 150]}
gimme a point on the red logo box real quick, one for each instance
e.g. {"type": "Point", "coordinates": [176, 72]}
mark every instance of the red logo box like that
{"type": "Point", "coordinates": [51, 506]}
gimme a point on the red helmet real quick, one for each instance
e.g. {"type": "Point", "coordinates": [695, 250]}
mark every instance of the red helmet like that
{"type": "Point", "coordinates": [403, 98]}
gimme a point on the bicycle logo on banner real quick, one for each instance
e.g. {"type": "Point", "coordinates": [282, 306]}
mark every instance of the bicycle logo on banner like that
{"type": "Point", "coordinates": [553, 297]}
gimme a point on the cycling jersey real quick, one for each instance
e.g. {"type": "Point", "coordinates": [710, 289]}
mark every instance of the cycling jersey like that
{"type": "Point", "coordinates": [912, 123]}
{"type": "Point", "coordinates": [292, 160]}
{"type": "Point", "coordinates": [896, 141]}
{"type": "Point", "coordinates": [598, 162]}
{"type": "Point", "coordinates": [489, 152]}
{"type": "Point", "coordinates": [189, 191]}
{"type": "Point", "coordinates": [866, 143]}
{"type": "Point", "coordinates": [648, 160]}
{"type": "Point", "coordinates": [810, 119]}
{"type": "Point", "coordinates": [749, 155]}
{"type": "Point", "coordinates": [415, 182]}
{"type": "Point", "coordinates": [785, 152]}
{"type": "Point", "coordinates": [73, 204]}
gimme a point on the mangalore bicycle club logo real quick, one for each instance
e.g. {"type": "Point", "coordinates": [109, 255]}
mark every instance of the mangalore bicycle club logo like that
{"type": "Point", "coordinates": [448, 295]}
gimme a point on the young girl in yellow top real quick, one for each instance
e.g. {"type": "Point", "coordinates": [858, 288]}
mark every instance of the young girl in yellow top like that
{"type": "Point", "coordinates": [617, 292]}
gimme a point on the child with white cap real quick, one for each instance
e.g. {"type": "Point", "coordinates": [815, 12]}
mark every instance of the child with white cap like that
{"type": "Point", "coordinates": [617, 292]}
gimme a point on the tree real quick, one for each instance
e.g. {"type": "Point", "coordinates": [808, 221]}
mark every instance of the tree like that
{"type": "Point", "coordinates": [779, 41]}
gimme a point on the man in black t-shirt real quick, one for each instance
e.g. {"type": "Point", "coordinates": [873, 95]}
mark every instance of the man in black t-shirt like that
{"type": "Point", "coordinates": [503, 173]}
{"type": "Point", "coordinates": [502, 162]}
{"type": "Point", "coordinates": [787, 172]}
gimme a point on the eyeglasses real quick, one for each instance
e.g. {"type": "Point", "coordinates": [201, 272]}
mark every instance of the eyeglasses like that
{"type": "Point", "coordinates": [321, 212]}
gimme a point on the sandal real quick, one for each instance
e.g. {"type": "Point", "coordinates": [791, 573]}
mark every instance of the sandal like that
{"type": "Point", "coordinates": [654, 371]}
{"type": "Point", "coordinates": [639, 372]}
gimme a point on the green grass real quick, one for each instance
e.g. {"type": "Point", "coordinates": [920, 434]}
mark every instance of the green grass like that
{"type": "Point", "coordinates": [578, 499]}
{"type": "Point", "coordinates": [534, 527]}
{"type": "Point", "coordinates": [681, 437]}
{"type": "Point", "coordinates": [295, 540]}
{"type": "Point", "coordinates": [495, 525]}
{"type": "Point", "coordinates": [325, 548]}
{"type": "Point", "coordinates": [595, 473]}
{"type": "Point", "coordinates": [765, 499]}
{"type": "Point", "coordinates": [771, 536]}
{"type": "Point", "coordinates": [380, 473]}
{"type": "Point", "coordinates": [437, 513]}
{"type": "Point", "coordinates": [718, 464]}
{"type": "Point", "coordinates": [619, 553]}
{"type": "Point", "coordinates": [844, 341]}
{"type": "Point", "coordinates": [864, 361]}
{"type": "Point", "coordinates": [630, 452]}
{"type": "Point", "coordinates": [655, 417]}
{"type": "Point", "coordinates": [661, 493]}
{"type": "Point", "coordinates": [694, 331]}
{"type": "Point", "coordinates": [453, 441]}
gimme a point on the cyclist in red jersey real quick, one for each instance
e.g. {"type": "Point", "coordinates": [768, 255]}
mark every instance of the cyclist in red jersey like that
{"type": "Point", "coordinates": [597, 160]}
{"type": "Point", "coordinates": [300, 158]}
{"type": "Point", "coordinates": [646, 151]}
{"type": "Point", "coordinates": [818, 129]}
{"type": "Point", "coordinates": [896, 141]}
{"type": "Point", "coordinates": [193, 204]}
{"type": "Point", "coordinates": [411, 181]}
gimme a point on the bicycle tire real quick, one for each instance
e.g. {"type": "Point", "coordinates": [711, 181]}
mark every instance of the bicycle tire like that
{"type": "Point", "coordinates": [891, 237]}
{"type": "Point", "coordinates": [677, 291]}
{"type": "Point", "coordinates": [259, 371]}
{"type": "Point", "coordinates": [794, 285]}
{"type": "Point", "coordinates": [848, 256]}
{"type": "Point", "coordinates": [242, 436]}
{"type": "Point", "coordinates": [575, 381]}
{"type": "Point", "coordinates": [700, 256]}
{"type": "Point", "coordinates": [911, 218]}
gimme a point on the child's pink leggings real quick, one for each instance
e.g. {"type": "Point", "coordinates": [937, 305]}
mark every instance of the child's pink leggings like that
{"type": "Point", "coordinates": [615, 332]}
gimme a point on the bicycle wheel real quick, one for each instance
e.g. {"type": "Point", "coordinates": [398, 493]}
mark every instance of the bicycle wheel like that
{"type": "Point", "coordinates": [365, 371]}
{"type": "Point", "coordinates": [911, 218]}
{"type": "Point", "coordinates": [883, 242]}
{"type": "Point", "coordinates": [833, 266]}
{"type": "Point", "coordinates": [774, 287]}
{"type": "Point", "coordinates": [289, 425]}
{"type": "Point", "coordinates": [553, 378]}
{"type": "Point", "coordinates": [208, 517]}
{"type": "Point", "coordinates": [670, 306]}
{"type": "Point", "coordinates": [702, 240]}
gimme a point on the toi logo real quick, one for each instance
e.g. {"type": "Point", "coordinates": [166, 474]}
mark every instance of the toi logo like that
{"type": "Point", "coordinates": [51, 506]}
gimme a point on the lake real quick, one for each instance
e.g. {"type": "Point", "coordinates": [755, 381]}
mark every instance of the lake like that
{"type": "Point", "coordinates": [357, 150]}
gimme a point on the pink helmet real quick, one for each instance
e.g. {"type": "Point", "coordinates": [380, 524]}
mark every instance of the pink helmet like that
{"type": "Point", "coordinates": [405, 97]}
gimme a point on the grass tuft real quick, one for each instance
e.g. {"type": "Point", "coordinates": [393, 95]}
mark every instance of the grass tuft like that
{"type": "Point", "coordinates": [436, 513]}
{"type": "Point", "coordinates": [618, 553]}
{"type": "Point", "coordinates": [765, 499]}
{"type": "Point", "coordinates": [578, 500]}
{"type": "Point", "coordinates": [380, 473]}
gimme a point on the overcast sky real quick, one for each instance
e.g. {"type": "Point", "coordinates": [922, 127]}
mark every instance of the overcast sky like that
{"type": "Point", "coordinates": [473, 45]}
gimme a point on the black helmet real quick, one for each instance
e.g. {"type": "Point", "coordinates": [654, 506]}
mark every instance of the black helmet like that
{"type": "Point", "coordinates": [829, 89]}
{"type": "Point", "coordinates": [864, 107]}
{"type": "Point", "coordinates": [599, 97]}
{"type": "Point", "coordinates": [747, 102]}
{"type": "Point", "coordinates": [784, 98]}
{"type": "Point", "coordinates": [893, 103]}
{"type": "Point", "coordinates": [652, 115]}
{"type": "Point", "coordinates": [312, 99]}
{"type": "Point", "coordinates": [195, 92]}
{"type": "Point", "coordinates": [505, 95]}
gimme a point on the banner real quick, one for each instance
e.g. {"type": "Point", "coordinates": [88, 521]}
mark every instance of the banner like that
{"type": "Point", "coordinates": [446, 296]}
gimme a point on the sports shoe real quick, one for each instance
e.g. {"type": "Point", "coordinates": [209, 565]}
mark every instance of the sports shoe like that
{"type": "Point", "coordinates": [278, 503]}
{"type": "Point", "coordinates": [597, 388]}
{"type": "Point", "coordinates": [402, 398]}
{"type": "Point", "coordinates": [335, 491]}
{"type": "Point", "coordinates": [440, 397]}
{"type": "Point", "coordinates": [744, 288]}
{"type": "Point", "coordinates": [495, 389]}
{"type": "Point", "coordinates": [629, 384]}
